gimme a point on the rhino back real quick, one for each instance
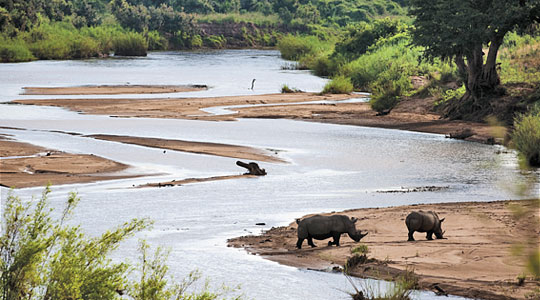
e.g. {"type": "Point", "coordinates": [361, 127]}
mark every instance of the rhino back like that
{"type": "Point", "coordinates": [323, 225]}
{"type": "Point", "coordinates": [421, 221]}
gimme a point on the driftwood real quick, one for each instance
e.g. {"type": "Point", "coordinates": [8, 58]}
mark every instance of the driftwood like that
{"type": "Point", "coordinates": [253, 168]}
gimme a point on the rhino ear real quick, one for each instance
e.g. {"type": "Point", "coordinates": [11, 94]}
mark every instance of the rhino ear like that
{"type": "Point", "coordinates": [442, 220]}
{"type": "Point", "coordinates": [353, 219]}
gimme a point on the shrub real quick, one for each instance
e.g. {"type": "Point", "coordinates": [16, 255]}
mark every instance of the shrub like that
{"type": "Point", "coordinates": [130, 44]}
{"type": "Point", "coordinates": [14, 50]}
{"type": "Point", "coordinates": [155, 41]}
{"type": "Point", "coordinates": [286, 89]}
{"type": "Point", "coordinates": [338, 85]}
{"type": "Point", "coordinates": [48, 259]}
{"type": "Point", "coordinates": [526, 136]}
{"type": "Point", "coordinates": [44, 258]}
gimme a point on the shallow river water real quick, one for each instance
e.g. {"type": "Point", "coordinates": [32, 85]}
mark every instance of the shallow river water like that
{"type": "Point", "coordinates": [330, 167]}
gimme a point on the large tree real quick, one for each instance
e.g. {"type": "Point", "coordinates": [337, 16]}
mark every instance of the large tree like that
{"type": "Point", "coordinates": [462, 30]}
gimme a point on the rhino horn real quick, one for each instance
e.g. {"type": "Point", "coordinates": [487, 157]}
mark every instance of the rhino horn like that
{"type": "Point", "coordinates": [297, 221]}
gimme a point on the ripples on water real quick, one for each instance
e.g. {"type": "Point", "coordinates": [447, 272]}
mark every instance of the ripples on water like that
{"type": "Point", "coordinates": [331, 167]}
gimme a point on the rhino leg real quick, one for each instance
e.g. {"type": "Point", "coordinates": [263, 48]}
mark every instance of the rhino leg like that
{"type": "Point", "coordinates": [411, 238]}
{"type": "Point", "coordinates": [299, 243]}
{"type": "Point", "coordinates": [336, 239]}
{"type": "Point", "coordinates": [429, 235]}
{"type": "Point", "coordinates": [310, 242]}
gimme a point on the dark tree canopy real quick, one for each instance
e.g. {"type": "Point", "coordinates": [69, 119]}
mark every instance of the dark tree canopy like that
{"type": "Point", "coordinates": [462, 29]}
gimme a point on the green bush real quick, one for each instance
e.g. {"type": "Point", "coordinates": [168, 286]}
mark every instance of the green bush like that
{"type": "Point", "coordinates": [48, 259]}
{"type": "Point", "coordinates": [155, 41]}
{"type": "Point", "coordinates": [45, 258]}
{"type": "Point", "coordinates": [295, 47]}
{"type": "Point", "coordinates": [14, 50]}
{"type": "Point", "coordinates": [130, 44]}
{"type": "Point", "coordinates": [286, 89]}
{"type": "Point", "coordinates": [526, 136]}
{"type": "Point", "coordinates": [338, 85]}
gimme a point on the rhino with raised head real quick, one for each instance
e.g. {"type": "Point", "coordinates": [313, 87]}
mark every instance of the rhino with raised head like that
{"type": "Point", "coordinates": [322, 227]}
{"type": "Point", "coordinates": [424, 221]}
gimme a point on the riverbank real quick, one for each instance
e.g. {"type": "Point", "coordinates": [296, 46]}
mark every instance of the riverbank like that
{"type": "Point", "coordinates": [474, 261]}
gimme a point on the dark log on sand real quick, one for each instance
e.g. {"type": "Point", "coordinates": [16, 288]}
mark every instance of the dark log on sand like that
{"type": "Point", "coordinates": [253, 168]}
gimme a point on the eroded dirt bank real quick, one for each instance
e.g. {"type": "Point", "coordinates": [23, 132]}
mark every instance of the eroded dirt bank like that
{"type": "Point", "coordinates": [474, 261]}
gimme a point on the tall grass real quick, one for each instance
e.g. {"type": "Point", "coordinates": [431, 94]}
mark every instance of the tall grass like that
{"type": "Point", "coordinates": [130, 44]}
{"type": "Point", "coordinates": [296, 47]}
{"type": "Point", "coordinates": [339, 85]}
{"type": "Point", "coordinates": [526, 136]}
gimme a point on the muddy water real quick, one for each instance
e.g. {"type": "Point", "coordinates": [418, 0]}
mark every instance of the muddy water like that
{"type": "Point", "coordinates": [330, 167]}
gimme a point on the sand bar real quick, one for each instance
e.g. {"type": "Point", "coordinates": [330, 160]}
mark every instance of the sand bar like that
{"type": "Point", "coordinates": [474, 261]}
{"type": "Point", "coordinates": [225, 150]}
{"type": "Point", "coordinates": [37, 166]}
{"type": "Point", "coordinates": [112, 89]}
{"type": "Point", "coordinates": [412, 114]}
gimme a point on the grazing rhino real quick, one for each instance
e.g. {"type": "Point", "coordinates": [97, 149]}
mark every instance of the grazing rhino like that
{"type": "Point", "coordinates": [424, 221]}
{"type": "Point", "coordinates": [322, 227]}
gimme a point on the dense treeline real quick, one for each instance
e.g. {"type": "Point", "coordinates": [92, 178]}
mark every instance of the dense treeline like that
{"type": "Point", "coordinates": [60, 29]}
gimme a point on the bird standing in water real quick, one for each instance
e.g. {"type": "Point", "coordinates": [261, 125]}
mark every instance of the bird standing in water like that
{"type": "Point", "coordinates": [252, 84]}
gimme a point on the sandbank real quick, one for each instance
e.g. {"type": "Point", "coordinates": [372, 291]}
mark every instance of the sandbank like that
{"type": "Point", "coordinates": [25, 165]}
{"type": "Point", "coordinates": [411, 114]}
{"type": "Point", "coordinates": [474, 261]}
{"type": "Point", "coordinates": [112, 89]}
{"type": "Point", "coordinates": [225, 150]}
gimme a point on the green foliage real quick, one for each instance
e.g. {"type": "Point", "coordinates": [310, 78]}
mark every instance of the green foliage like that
{"type": "Point", "coordinates": [520, 59]}
{"type": "Point", "coordinates": [14, 50]}
{"type": "Point", "coordinates": [338, 85]}
{"type": "Point", "coordinates": [44, 258]}
{"type": "Point", "coordinates": [399, 290]}
{"type": "Point", "coordinates": [295, 47]}
{"type": "Point", "coordinates": [156, 41]}
{"type": "Point", "coordinates": [256, 18]}
{"type": "Point", "coordinates": [130, 44]}
{"type": "Point", "coordinates": [362, 249]}
{"type": "Point", "coordinates": [360, 38]}
{"type": "Point", "coordinates": [526, 136]}
{"type": "Point", "coordinates": [286, 89]}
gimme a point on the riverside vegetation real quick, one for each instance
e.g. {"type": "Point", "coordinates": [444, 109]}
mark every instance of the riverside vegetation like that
{"type": "Point", "coordinates": [46, 258]}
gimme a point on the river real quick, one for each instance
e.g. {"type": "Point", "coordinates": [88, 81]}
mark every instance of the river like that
{"type": "Point", "coordinates": [330, 167]}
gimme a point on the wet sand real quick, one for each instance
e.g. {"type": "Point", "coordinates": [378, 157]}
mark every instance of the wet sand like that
{"type": "Point", "coordinates": [474, 261]}
{"type": "Point", "coordinates": [25, 165]}
{"type": "Point", "coordinates": [112, 89]}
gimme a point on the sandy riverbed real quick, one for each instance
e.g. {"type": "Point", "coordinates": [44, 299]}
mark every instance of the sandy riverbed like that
{"type": "Point", "coordinates": [474, 261]}
{"type": "Point", "coordinates": [112, 89]}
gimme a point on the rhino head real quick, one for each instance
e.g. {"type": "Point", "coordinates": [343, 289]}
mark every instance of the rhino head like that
{"type": "Point", "coordinates": [438, 231]}
{"type": "Point", "coordinates": [354, 234]}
